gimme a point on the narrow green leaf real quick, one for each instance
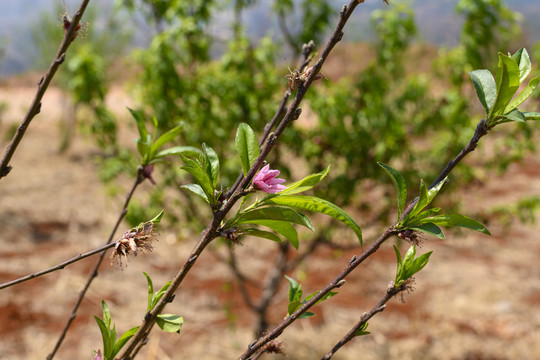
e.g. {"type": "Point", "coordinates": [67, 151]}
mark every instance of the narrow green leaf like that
{"type": "Point", "coordinates": [293, 306]}
{"type": "Point", "coordinates": [159, 294]}
{"type": "Point", "coordinates": [246, 146]}
{"type": "Point", "coordinates": [422, 202]}
{"type": "Point", "coordinates": [105, 336]}
{"type": "Point", "coordinates": [170, 322]}
{"type": "Point", "coordinates": [420, 262]}
{"type": "Point", "coordinates": [524, 95]}
{"type": "Point", "coordinates": [177, 150]}
{"type": "Point", "coordinates": [282, 227]}
{"type": "Point", "coordinates": [515, 115]}
{"type": "Point", "coordinates": [165, 138]}
{"type": "Point", "coordinates": [507, 84]}
{"type": "Point", "coordinates": [262, 234]}
{"type": "Point", "coordinates": [429, 228]}
{"type": "Point", "coordinates": [280, 213]}
{"type": "Point", "coordinates": [362, 330]}
{"type": "Point", "coordinates": [521, 57]}
{"type": "Point", "coordinates": [211, 164]}
{"type": "Point", "coordinates": [306, 315]}
{"type": "Point", "coordinates": [306, 183]}
{"type": "Point", "coordinates": [150, 292]}
{"type": "Point", "coordinates": [123, 340]}
{"type": "Point", "coordinates": [157, 218]}
{"type": "Point", "coordinates": [531, 115]}
{"type": "Point", "coordinates": [399, 184]}
{"type": "Point", "coordinates": [459, 220]}
{"type": "Point", "coordinates": [399, 270]}
{"type": "Point", "coordinates": [312, 203]}
{"type": "Point", "coordinates": [295, 289]}
{"type": "Point", "coordinates": [485, 86]}
{"type": "Point", "coordinates": [201, 177]}
{"type": "Point", "coordinates": [106, 314]}
{"type": "Point", "coordinates": [137, 115]}
{"type": "Point", "coordinates": [325, 297]}
{"type": "Point", "coordinates": [417, 219]}
{"type": "Point", "coordinates": [143, 147]}
{"type": "Point", "coordinates": [197, 190]}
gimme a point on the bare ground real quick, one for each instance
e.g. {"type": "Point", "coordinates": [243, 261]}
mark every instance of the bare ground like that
{"type": "Point", "coordinates": [478, 299]}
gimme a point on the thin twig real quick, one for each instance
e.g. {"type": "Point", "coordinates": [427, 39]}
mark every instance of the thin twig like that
{"type": "Point", "coordinates": [139, 179]}
{"type": "Point", "coordinates": [35, 106]}
{"type": "Point", "coordinates": [481, 130]}
{"type": "Point", "coordinates": [211, 232]}
{"type": "Point", "coordinates": [57, 267]}
{"type": "Point", "coordinates": [391, 291]}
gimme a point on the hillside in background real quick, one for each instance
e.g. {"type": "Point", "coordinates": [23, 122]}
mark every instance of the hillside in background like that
{"type": "Point", "coordinates": [436, 20]}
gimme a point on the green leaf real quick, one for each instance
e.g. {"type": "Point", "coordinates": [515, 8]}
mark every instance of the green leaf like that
{"type": "Point", "coordinates": [106, 314]}
{"type": "Point", "coordinates": [123, 340]}
{"type": "Point", "coordinates": [150, 291]}
{"type": "Point", "coordinates": [306, 315]}
{"type": "Point", "coordinates": [325, 297]}
{"type": "Point", "coordinates": [409, 265]}
{"type": "Point", "coordinates": [293, 306]}
{"type": "Point", "coordinates": [165, 138]}
{"type": "Point", "coordinates": [280, 213]}
{"type": "Point", "coordinates": [157, 218]}
{"type": "Point", "coordinates": [362, 330]}
{"type": "Point", "coordinates": [521, 57]}
{"type": "Point", "coordinates": [518, 100]}
{"type": "Point", "coordinates": [485, 86]}
{"type": "Point", "coordinates": [137, 115]}
{"type": "Point", "coordinates": [197, 190]}
{"type": "Point", "coordinates": [306, 183]}
{"type": "Point", "coordinates": [159, 294]}
{"type": "Point", "coordinates": [177, 150]}
{"type": "Point", "coordinates": [170, 322]}
{"type": "Point", "coordinates": [282, 227]}
{"type": "Point", "coordinates": [105, 337]}
{"type": "Point", "coordinates": [143, 147]}
{"type": "Point", "coordinates": [531, 115]}
{"type": "Point", "coordinates": [262, 234]}
{"type": "Point", "coordinates": [507, 84]}
{"type": "Point", "coordinates": [458, 220]}
{"type": "Point", "coordinates": [201, 177]}
{"type": "Point", "coordinates": [295, 290]}
{"type": "Point", "coordinates": [211, 164]}
{"type": "Point", "coordinates": [399, 184]}
{"type": "Point", "coordinates": [514, 115]}
{"type": "Point", "coordinates": [417, 219]}
{"type": "Point", "coordinates": [246, 146]}
{"type": "Point", "coordinates": [312, 203]}
{"type": "Point", "coordinates": [429, 228]}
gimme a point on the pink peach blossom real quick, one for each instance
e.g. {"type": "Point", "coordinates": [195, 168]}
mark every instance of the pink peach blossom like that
{"type": "Point", "coordinates": [267, 181]}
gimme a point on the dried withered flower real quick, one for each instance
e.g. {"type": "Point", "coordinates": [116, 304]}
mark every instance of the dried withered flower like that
{"type": "Point", "coordinates": [297, 79]}
{"type": "Point", "coordinates": [274, 346]}
{"type": "Point", "coordinates": [136, 239]}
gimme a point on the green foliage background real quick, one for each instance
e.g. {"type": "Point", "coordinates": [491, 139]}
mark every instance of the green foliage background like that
{"type": "Point", "coordinates": [376, 115]}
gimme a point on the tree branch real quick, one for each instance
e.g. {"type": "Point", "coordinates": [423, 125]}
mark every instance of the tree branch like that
{"type": "Point", "coordinates": [139, 179]}
{"type": "Point", "coordinates": [35, 106]}
{"type": "Point", "coordinates": [481, 130]}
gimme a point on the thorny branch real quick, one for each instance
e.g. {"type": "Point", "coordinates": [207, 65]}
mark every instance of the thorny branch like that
{"type": "Point", "coordinates": [210, 233]}
{"type": "Point", "coordinates": [35, 106]}
{"type": "Point", "coordinates": [481, 130]}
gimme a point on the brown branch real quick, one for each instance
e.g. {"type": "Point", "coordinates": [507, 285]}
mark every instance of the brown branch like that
{"type": "Point", "coordinates": [211, 231]}
{"type": "Point", "coordinates": [60, 266]}
{"type": "Point", "coordinates": [481, 130]}
{"type": "Point", "coordinates": [391, 291]}
{"type": "Point", "coordinates": [35, 106]}
{"type": "Point", "coordinates": [139, 179]}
